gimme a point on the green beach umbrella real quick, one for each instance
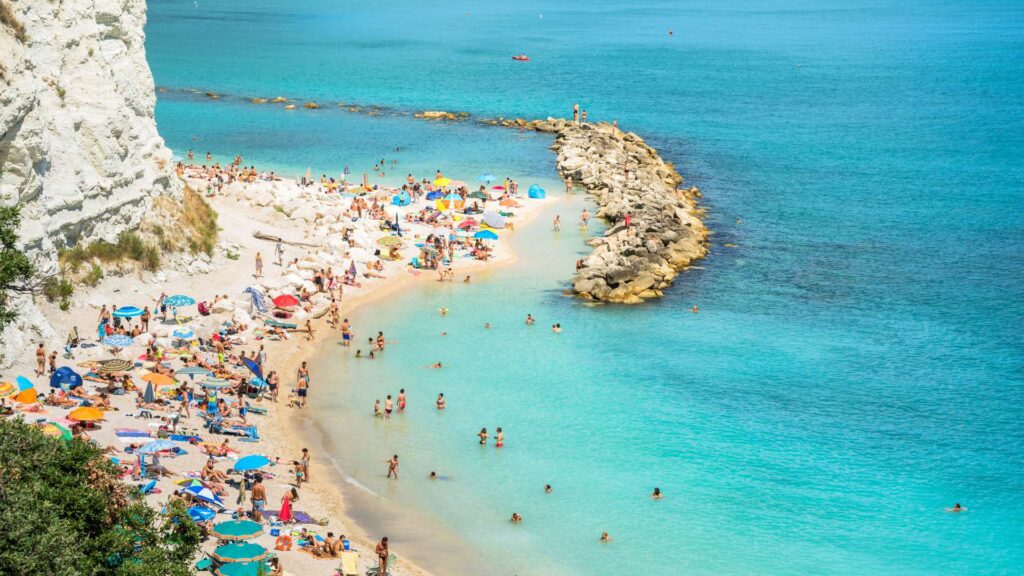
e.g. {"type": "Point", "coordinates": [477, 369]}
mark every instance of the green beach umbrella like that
{"type": "Point", "coordinates": [389, 241]}
{"type": "Point", "coordinates": [237, 530]}
{"type": "Point", "coordinates": [241, 569]}
{"type": "Point", "coordinates": [239, 552]}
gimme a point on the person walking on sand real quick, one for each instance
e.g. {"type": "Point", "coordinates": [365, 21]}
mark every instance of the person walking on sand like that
{"type": "Point", "coordinates": [279, 251]}
{"type": "Point", "coordinates": [53, 362]}
{"type": "Point", "coordinates": [382, 556]}
{"type": "Point", "coordinates": [304, 461]}
{"type": "Point", "coordinates": [40, 360]}
{"type": "Point", "coordinates": [259, 265]}
{"type": "Point", "coordinates": [302, 384]}
{"type": "Point", "coordinates": [309, 330]}
{"type": "Point", "coordinates": [259, 498]}
{"type": "Point", "coordinates": [557, 224]}
{"type": "Point", "coordinates": [628, 219]}
{"type": "Point", "coordinates": [393, 467]}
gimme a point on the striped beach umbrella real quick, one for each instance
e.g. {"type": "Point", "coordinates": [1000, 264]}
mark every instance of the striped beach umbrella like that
{"type": "Point", "coordinates": [54, 430]}
{"type": "Point", "coordinates": [215, 383]}
{"type": "Point", "coordinates": [193, 371]}
{"type": "Point", "coordinates": [128, 312]}
{"type": "Point", "coordinates": [8, 389]}
{"type": "Point", "coordinates": [113, 365]}
{"type": "Point", "coordinates": [239, 552]}
{"type": "Point", "coordinates": [205, 494]}
{"type": "Point", "coordinates": [237, 530]}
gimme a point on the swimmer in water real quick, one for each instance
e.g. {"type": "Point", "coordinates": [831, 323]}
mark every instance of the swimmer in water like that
{"type": "Point", "coordinates": [956, 508]}
{"type": "Point", "coordinates": [377, 411]}
{"type": "Point", "coordinates": [466, 281]}
{"type": "Point", "coordinates": [695, 309]}
{"type": "Point", "coordinates": [516, 518]}
{"type": "Point", "coordinates": [483, 436]}
{"type": "Point", "coordinates": [605, 537]}
{"type": "Point", "coordinates": [440, 401]}
{"type": "Point", "coordinates": [433, 475]}
{"type": "Point", "coordinates": [359, 353]}
{"type": "Point", "coordinates": [556, 328]}
{"type": "Point", "coordinates": [656, 495]}
{"type": "Point", "coordinates": [443, 333]}
{"type": "Point", "coordinates": [442, 311]}
{"type": "Point", "coordinates": [487, 325]}
{"type": "Point", "coordinates": [547, 488]}
{"type": "Point", "coordinates": [529, 320]}
{"type": "Point", "coordinates": [436, 365]}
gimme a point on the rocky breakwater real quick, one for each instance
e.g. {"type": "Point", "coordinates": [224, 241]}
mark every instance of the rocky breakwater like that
{"type": "Point", "coordinates": [626, 176]}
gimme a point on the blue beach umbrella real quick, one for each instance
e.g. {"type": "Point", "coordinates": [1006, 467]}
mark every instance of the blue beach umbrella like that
{"type": "Point", "coordinates": [486, 235]}
{"type": "Point", "coordinates": [179, 300]}
{"type": "Point", "coordinates": [128, 312]}
{"type": "Point", "coordinates": [488, 178]}
{"type": "Point", "coordinates": [435, 195]}
{"type": "Point", "coordinates": [253, 367]}
{"type": "Point", "coordinates": [201, 513]}
{"type": "Point", "coordinates": [251, 462]}
{"type": "Point", "coordinates": [157, 446]}
{"type": "Point", "coordinates": [23, 383]}
{"type": "Point", "coordinates": [148, 395]}
{"type": "Point", "coordinates": [118, 341]}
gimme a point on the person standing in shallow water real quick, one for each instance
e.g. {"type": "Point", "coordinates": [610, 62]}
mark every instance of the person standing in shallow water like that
{"type": "Point", "coordinates": [393, 467]}
{"type": "Point", "coordinates": [483, 436]}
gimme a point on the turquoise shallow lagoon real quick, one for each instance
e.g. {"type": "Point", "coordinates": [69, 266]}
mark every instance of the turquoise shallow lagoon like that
{"type": "Point", "coordinates": [856, 367]}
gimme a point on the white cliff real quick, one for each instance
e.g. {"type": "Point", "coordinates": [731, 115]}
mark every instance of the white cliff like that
{"type": "Point", "coordinates": [79, 148]}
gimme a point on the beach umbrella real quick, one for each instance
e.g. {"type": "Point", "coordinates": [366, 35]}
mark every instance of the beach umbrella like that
{"type": "Point", "coordinates": [499, 187]}
{"type": "Point", "coordinates": [86, 414]}
{"type": "Point", "coordinates": [242, 569]}
{"type": "Point", "coordinates": [23, 383]}
{"type": "Point", "coordinates": [389, 240]}
{"type": "Point", "coordinates": [65, 378]}
{"type": "Point", "coordinates": [118, 341]}
{"type": "Point", "coordinates": [8, 389]}
{"type": "Point", "coordinates": [488, 178]}
{"type": "Point", "coordinates": [253, 367]}
{"type": "Point", "coordinates": [251, 462]}
{"type": "Point", "coordinates": [54, 430]}
{"type": "Point", "coordinates": [467, 224]}
{"type": "Point", "coordinates": [435, 195]}
{"type": "Point", "coordinates": [215, 383]}
{"type": "Point", "coordinates": [193, 371]}
{"type": "Point", "coordinates": [201, 513]}
{"type": "Point", "coordinates": [127, 312]}
{"type": "Point", "coordinates": [179, 300]}
{"type": "Point", "coordinates": [157, 446]}
{"type": "Point", "coordinates": [148, 395]}
{"type": "Point", "coordinates": [285, 515]}
{"type": "Point", "coordinates": [114, 365]}
{"type": "Point", "coordinates": [193, 483]}
{"type": "Point", "coordinates": [236, 530]}
{"type": "Point", "coordinates": [442, 181]}
{"type": "Point", "coordinates": [239, 552]}
{"type": "Point", "coordinates": [184, 333]}
{"type": "Point", "coordinates": [286, 301]}
{"type": "Point", "coordinates": [158, 379]}
{"type": "Point", "coordinates": [508, 202]}
{"type": "Point", "coordinates": [204, 494]}
{"type": "Point", "coordinates": [486, 235]}
{"type": "Point", "coordinates": [479, 195]}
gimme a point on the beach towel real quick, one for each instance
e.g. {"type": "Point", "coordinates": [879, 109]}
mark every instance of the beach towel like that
{"type": "Point", "coordinates": [298, 517]}
{"type": "Point", "coordinates": [257, 299]}
{"type": "Point", "coordinates": [131, 433]}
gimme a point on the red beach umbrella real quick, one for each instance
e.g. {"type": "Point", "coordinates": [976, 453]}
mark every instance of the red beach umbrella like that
{"type": "Point", "coordinates": [285, 515]}
{"type": "Point", "coordinates": [467, 224]}
{"type": "Point", "coordinates": [497, 187]}
{"type": "Point", "coordinates": [286, 301]}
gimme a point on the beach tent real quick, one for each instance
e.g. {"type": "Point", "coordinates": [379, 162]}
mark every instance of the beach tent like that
{"type": "Point", "coordinates": [402, 199]}
{"type": "Point", "coordinates": [65, 378]}
{"type": "Point", "coordinates": [536, 192]}
{"type": "Point", "coordinates": [493, 219]}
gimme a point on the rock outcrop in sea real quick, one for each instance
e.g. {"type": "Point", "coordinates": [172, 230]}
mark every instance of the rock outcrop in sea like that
{"type": "Point", "coordinates": [626, 176]}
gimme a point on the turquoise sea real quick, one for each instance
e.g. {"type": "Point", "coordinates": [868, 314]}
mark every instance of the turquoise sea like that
{"type": "Point", "coordinates": [856, 367]}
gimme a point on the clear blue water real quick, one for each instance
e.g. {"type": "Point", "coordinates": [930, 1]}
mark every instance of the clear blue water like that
{"type": "Point", "coordinates": [856, 367]}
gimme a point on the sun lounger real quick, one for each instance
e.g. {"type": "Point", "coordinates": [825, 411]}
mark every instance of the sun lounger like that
{"type": "Point", "coordinates": [375, 570]}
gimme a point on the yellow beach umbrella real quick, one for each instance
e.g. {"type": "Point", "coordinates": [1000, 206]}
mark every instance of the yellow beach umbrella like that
{"type": "Point", "coordinates": [158, 379]}
{"type": "Point", "coordinates": [86, 414]}
{"type": "Point", "coordinates": [442, 181]}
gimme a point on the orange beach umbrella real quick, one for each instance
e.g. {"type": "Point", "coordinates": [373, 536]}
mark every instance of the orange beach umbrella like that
{"type": "Point", "coordinates": [158, 379]}
{"type": "Point", "coordinates": [86, 414]}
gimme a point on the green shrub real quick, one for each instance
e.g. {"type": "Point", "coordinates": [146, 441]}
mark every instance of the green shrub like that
{"type": "Point", "coordinates": [58, 289]}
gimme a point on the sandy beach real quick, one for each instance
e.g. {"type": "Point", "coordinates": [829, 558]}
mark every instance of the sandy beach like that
{"type": "Point", "coordinates": [310, 220]}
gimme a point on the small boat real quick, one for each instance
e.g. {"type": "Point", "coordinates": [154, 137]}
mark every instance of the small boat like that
{"type": "Point", "coordinates": [521, 58]}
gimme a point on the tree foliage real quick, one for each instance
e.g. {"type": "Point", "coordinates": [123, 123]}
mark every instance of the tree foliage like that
{"type": "Point", "coordinates": [64, 512]}
{"type": "Point", "coordinates": [16, 269]}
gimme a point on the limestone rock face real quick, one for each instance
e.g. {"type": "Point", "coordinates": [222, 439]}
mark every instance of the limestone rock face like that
{"type": "Point", "coordinates": [626, 176]}
{"type": "Point", "coordinates": [79, 147]}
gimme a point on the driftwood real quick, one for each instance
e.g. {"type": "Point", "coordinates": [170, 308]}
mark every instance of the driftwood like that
{"type": "Point", "coordinates": [262, 236]}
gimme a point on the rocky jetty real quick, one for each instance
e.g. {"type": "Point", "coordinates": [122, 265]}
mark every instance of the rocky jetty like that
{"type": "Point", "coordinates": [626, 176]}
